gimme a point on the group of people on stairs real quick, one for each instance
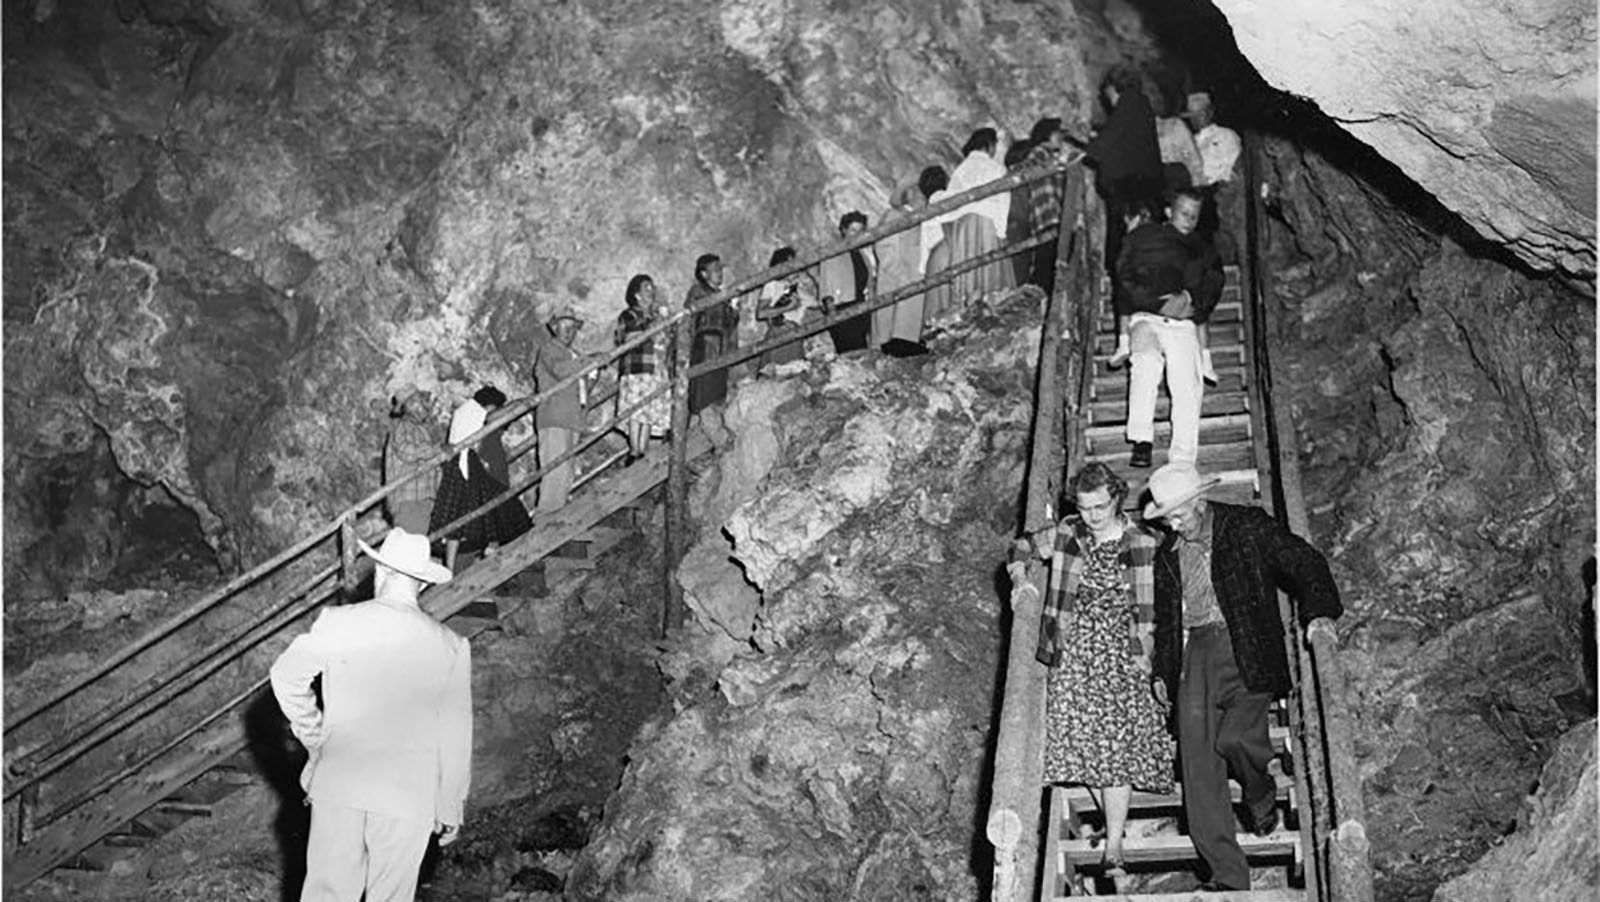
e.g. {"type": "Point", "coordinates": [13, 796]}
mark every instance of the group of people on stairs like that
{"type": "Point", "coordinates": [379, 692]}
{"type": "Point", "coordinates": [1164, 628]}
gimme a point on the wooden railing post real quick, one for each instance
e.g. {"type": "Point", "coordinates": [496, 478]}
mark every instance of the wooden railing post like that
{"type": "Point", "coordinates": [347, 554]}
{"type": "Point", "coordinates": [1349, 851]}
{"type": "Point", "coordinates": [27, 812]}
{"type": "Point", "coordinates": [677, 477]}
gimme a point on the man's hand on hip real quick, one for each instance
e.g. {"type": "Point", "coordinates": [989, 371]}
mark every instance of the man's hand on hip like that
{"type": "Point", "coordinates": [448, 833]}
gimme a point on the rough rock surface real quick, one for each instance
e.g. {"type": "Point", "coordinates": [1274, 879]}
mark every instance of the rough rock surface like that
{"type": "Point", "coordinates": [232, 231]}
{"type": "Point", "coordinates": [1446, 428]}
{"type": "Point", "coordinates": [1490, 105]}
{"type": "Point", "coordinates": [841, 754]}
{"type": "Point", "coordinates": [1551, 857]}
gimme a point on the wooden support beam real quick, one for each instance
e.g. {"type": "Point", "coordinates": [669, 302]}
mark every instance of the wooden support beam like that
{"type": "Point", "coordinates": [677, 482]}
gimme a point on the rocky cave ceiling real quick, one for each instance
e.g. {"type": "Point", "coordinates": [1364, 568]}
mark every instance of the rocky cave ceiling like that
{"type": "Point", "coordinates": [232, 229]}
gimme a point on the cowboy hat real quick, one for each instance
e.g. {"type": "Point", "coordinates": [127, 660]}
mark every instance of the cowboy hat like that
{"type": "Point", "coordinates": [1195, 104]}
{"type": "Point", "coordinates": [1172, 486]}
{"type": "Point", "coordinates": [407, 552]}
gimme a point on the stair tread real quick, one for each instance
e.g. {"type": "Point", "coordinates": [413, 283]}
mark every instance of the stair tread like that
{"type": "Point", "coordinates": [1175, 847]}
{"type": "Point", "coordinates": [1079, 799]}
{"type": "Point", "coordinates": [1116, 386]}
{"type": "Point", "coordinates": [1275, 894]}
{"type": "Point", "coordinates": [1111, 411]}
{"type": "Point", "coordinates": [1212, 425]}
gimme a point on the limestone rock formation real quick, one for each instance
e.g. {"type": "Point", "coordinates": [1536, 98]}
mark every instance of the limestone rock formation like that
{"type": "Point", "coordinates": [1551, 856]}
{"type": "Point", "coordinates": [1489, 105]}
{"type": "Point", "coordinates": [842, 756]}
{"type": "Point", "coordinates": [243, 227]}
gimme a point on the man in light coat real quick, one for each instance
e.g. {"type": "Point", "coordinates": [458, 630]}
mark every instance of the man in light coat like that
{"type": "Point", "coordinates": [391, 746]}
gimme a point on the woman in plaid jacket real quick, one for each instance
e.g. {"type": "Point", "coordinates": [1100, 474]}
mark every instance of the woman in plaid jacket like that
{"type": "Point", "coordinates": [1104, 728]}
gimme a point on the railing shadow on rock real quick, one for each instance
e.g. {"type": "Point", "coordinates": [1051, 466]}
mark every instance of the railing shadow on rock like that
{"type": "Point", "coordinates": [128, 688]}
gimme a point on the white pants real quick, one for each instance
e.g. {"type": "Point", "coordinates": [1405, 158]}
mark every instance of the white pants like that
{"type": "Point", "coordinates": [556, 485]}
{"type": "Point", "coordinates": [351, 850]}
{"type": "Point", "coordinates": [1157, 343]}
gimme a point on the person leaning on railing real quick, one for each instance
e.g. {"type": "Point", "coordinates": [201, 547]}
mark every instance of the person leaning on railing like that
{"type": "Point", "coordinates": [1219, 651]}
{"type": "Point", "coordinates": [1104, 728]}
{"type": "Point", "coordinates": [847, 281]}
{"type": "Point", "coordinates": [560, 417]}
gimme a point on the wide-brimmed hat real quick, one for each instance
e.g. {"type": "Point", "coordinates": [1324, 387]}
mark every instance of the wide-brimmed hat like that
{"type": "Point", "coordinates": [1172, 486]}
{"type": "Point", "coordinates": [1195, 104]}
{"type": "Point", "coordinates": [407, 553]}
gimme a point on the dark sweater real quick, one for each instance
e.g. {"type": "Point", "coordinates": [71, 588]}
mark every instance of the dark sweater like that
{"type": "Point", "coordinates": [1252, 555]}
{"type": "Point", "coordinates": [1125, 153]}
{"type": "Point", "coordinates": [1157, 260]}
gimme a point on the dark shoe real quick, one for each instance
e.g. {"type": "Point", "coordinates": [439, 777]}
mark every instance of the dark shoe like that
{"type": "Point", "coordinates": [1112, 867]}
{"type": "Point", "coordinates": [1141, 454]}
{"type": "Point", "coordinates": [1268, 825]}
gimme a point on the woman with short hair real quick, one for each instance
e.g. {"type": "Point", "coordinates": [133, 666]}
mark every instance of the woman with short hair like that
{"type": "Point", "coordinates": [641, 370]}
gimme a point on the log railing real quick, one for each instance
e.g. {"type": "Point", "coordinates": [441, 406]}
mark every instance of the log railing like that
{"type": "Point", "coordinates": [90, 709]}
{"type": "Point", "coordinates": [1066, 340]}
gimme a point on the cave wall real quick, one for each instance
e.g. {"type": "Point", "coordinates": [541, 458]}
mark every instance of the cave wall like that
{"type": "Point", "coordinates": [1489, 105]}
{"type": "Point", "coordinates": [232, 231]}
{"type": "Point", "coordinates": [1445, 420]}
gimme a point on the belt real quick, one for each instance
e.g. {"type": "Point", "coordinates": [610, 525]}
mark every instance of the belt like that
{"type": "Point", "coordinates": [1207, 629]}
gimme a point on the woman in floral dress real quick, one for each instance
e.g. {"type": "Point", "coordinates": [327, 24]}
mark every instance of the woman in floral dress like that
{"type": "Point", "coordinates": [1104, 727]}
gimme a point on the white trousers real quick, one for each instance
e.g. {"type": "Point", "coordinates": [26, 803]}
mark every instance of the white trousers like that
{"type": "Point", "coordinates": [1158, 344]}
{"type": "Point", "coordinates": [351, 850]}
{"type": "Point", "coordinates": [556, 485]}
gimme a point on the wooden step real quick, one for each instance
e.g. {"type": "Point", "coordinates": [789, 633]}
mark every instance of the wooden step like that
{"type": "Point", "coordinates": [1233, 426]}
{"type": "Point", "coordinates": [1108, 389]}
{"type": "Point", "coordinates": [1229, 456]}
{"type": "Point", "coordinates": [1171, 848]}
{"type": "Point", "coordinates": [1112, 411]}
{"type": "Point", "coordinates": [1079, 800]}
{"type": "Point", "coordinates": [1276, 894]}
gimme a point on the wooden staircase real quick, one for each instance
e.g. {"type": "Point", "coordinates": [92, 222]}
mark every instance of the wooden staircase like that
{"type": "Point", "coordinates": [1230, 447]}
{"type": "Point", "coordinates": [189, 782]}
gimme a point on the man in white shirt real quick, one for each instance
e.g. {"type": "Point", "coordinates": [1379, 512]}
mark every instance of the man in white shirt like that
{"type": "Point", "coordinates": [391, 745]}
{"type": "Point", "coordinates": [1219, 145]}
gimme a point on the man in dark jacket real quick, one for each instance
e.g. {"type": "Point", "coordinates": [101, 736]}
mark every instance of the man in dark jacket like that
{"type": "Point", "coordinates": [1219, 649]}
{"type": "Point", "coordinates": [1168, 291]}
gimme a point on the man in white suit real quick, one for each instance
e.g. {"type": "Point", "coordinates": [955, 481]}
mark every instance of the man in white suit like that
{"type": "Point", "coordinates": [391, 746]}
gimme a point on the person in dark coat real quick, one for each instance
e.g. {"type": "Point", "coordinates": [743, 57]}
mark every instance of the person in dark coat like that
{"type": "Point", "coordinates": [1220, 651]}
{"type": "Point", "coordinates": [715, 330]}
{"type": "Point", "coordinates": [1125, 154]}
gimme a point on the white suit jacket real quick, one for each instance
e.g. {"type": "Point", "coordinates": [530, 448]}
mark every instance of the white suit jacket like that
{"type": "Point", "coordinates": [394, 735]}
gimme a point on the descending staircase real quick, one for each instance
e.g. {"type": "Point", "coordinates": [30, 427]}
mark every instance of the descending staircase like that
{"type": "Point", "coordinates": [1229, 449]}
{"type": "Point", "coordinates": [198, 774]}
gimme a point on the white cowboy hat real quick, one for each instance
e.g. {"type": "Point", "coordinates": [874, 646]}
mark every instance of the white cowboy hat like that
{"type": "Point", "coordinates": [407, 553]}
{"type": "Point", "coordinates": [1172, 486]}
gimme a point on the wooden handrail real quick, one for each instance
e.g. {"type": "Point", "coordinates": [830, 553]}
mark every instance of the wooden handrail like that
{"type": "Point", "coordinates": [32, 766]}
{"type": "Point", "coordinates": [1019, 747]}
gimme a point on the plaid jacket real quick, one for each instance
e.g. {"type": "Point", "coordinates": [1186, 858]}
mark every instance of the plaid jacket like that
{"type": "Point", "coordinates": [1066, 569]}
{"type": "Point", "coordinates": [1044, 197]}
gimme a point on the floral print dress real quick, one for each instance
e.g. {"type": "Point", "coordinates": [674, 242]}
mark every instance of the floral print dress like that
{"type": "Point", "coordinates": [1103, 726]}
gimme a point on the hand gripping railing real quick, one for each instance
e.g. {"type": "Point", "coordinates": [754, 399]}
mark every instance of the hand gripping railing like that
{"type": "Point", "coordinates": [28, 763]}
{"type": "Point", "coordinates": [1012, 827]}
